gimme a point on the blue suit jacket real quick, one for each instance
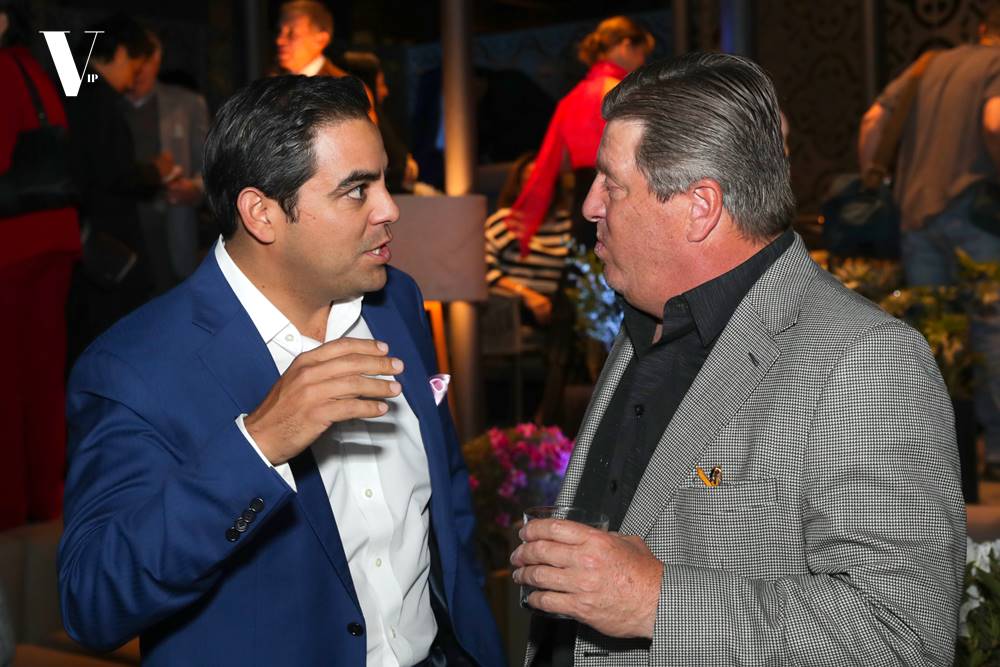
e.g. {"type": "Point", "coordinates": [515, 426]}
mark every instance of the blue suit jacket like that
{"type": "Point", "coordinates": [159, 472]}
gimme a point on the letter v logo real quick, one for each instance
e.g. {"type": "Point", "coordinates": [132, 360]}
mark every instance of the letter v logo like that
{"type": "Point", "coordinates": [62, 57]}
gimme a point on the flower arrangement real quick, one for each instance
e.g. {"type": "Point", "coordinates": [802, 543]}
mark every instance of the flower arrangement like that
{"type": "Point", "coordinates": [510, 470]}
{"type": "Point", "coordinates": [979, 614]}
{"type": "Point", "coordinates": [598, 312]}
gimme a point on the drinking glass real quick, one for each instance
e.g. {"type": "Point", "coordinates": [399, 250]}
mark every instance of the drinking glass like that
{"type": "Point", "coordinates": [566, 513]}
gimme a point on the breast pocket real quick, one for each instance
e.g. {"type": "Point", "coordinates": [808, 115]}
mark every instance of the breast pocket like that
{"type": "Point", "coordinates": [731, 526]}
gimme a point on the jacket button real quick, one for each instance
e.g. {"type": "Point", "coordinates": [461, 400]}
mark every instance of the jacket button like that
{"type": "Point", "coordinates": [257, 504]}
{"type": "Point", "coordinates": [249, 515]}
{"type": "Point", "coordinates": [355, 629]}
{"type": "Point", "coordinates": [232, 535]}
{"type": "Point", "coordinates": [241, 525]}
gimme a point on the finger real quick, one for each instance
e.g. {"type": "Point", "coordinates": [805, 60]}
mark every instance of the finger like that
{"type": "Point", "coordinates": [545, 552]}
{"type": "Point", "coordinates": [349, 365]}
{"type": "Point", "coordinates": [354, 386]}
{"type": "Point", "coordinates": [553, 602]}
{"type": "Point", "coordinates": [344, 346]}
{"type": "Point", "coordinates": [543, 576]}
{"type": "Point", "coordinates": [353, 408]}
{"type": "Point", "coordinates": [558, 530]}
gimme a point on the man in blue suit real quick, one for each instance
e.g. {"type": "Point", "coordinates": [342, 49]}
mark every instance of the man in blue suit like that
{"type": "Point", "coordinates": [260, 473]}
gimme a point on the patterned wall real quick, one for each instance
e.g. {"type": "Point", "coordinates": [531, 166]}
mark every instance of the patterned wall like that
{"type": "Point", "coordinates": [814, 52]}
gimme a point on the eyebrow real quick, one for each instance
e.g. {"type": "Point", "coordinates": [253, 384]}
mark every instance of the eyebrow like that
{"type": "Point", "coordinates": [604, 168]}
{"type": "Point", "coordinates": [356, 178]}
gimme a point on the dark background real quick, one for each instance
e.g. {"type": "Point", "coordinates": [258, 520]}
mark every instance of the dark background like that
{"type": "Point", "coordinates": [524, 57]}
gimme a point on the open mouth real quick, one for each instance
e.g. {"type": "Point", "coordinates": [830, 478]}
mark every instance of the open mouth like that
{"type": "Point", "coordinates": [381, 253]}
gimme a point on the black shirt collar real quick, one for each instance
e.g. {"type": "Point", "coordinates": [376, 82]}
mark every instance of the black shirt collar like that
{"type": "Point", "coordinates": [708, 307]}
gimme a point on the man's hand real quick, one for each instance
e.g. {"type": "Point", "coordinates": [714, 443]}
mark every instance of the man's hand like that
{"type": "Point", "coordinates": [329, 384]}
{"type": "Point", "coordinates": [165, 167]}
{"type": "Point", "coordinates": [605, 580]}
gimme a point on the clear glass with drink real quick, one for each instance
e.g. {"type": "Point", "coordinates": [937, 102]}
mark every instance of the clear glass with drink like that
{"type": "Point", "coordinates": [566, 513]}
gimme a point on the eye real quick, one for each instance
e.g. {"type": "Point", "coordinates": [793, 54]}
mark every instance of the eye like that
{"type": "Point", "coordinates": [357, 193]}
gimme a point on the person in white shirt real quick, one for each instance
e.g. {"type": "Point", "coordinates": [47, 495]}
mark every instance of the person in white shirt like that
{"type": "Point", "coordinates": [260, 471]}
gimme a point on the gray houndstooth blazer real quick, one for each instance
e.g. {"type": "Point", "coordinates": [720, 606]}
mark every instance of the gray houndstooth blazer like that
{"type": "Point", "coordinates": [837, 535]}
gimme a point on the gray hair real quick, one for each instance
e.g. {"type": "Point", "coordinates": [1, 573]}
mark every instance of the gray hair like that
{"type": "Point", "coordinates": [711, 115]}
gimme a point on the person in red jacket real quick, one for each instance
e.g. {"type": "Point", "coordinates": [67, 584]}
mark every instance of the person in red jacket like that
{"type": "Point", "coordinates": [618, 46]}
{"type": "Point", "coordinates": [36, 260]}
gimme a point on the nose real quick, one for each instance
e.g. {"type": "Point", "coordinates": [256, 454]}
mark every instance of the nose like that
{"type": "Point", "coordinates": [387, 212]}
{"type": "Point", "coordinates": [594, 206]}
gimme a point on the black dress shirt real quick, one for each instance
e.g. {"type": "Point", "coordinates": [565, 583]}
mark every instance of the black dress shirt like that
{"type": "Point", "coordinates": [657, 378]}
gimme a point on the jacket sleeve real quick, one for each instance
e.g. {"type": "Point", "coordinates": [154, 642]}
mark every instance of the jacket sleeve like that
{"type": "Point", "coordinates": [884, 530]}
{"type": "Point", "coordinates": [145, 519]}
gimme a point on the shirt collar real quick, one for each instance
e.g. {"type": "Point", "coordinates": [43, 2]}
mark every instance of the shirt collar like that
{"type": "Point", "coordinates": [314, 66]}
{"type": "Point", "coordinates": [270, 323]}
{"type": "Point", "coordinates": [708, 307]}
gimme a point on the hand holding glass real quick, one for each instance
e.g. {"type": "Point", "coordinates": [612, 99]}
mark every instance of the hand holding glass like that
{"type": "Point", "coordinates": [565, 513]}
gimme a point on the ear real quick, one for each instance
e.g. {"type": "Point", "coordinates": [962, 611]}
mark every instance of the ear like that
{"type": "Point", "coordinates": [259, 214]}
{"type": "Point", "coordinates": [323, 37]}
{"type": "Point", "coordinates": [705, 209]}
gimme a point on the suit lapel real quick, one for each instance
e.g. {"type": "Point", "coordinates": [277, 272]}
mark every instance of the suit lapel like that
{"type": "Point", "coordinates": [618, 359]}
{"type": "Point", "coordinates": [241, 362]}
{"type": "Point", "coordinates": [740, 359]}
{"type": "Point", "coordinates": [386, 324]}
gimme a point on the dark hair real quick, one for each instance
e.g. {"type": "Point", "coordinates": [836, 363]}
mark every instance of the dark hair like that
{"type": "Point", "coordinates": [512, 184]}
{"type": "Point", "coordinates": [608, 34]}
{"type": "Point", "coordinates": [364, 65]}
{"type": "Point", "coordinates": [118, 30]}
{"type": "Point", "coordinates": [18, 23]}
{"type": "Point", "coordinates": [316, 12]}
{"type": "Point", "coordinates": [263, 137]}
{"type": "Point", "coordinates": [710, 115]}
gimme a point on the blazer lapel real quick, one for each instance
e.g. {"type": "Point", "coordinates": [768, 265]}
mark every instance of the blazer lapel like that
{"type": "Point", "coordinates": [618, 359]}
{"type": "Point", "coordinates": [742, 356]}
{"type": "Point", "coordinates": [240, 361]}
{"type": "Point", "coordinates": [387, 325]}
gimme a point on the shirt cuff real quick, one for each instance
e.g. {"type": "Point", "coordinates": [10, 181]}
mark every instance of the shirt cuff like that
{"type": "Point", "coordinates": [246, 434]}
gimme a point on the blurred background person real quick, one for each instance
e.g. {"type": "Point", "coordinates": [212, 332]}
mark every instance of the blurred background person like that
{"type": "Point", "coordinates": [117, 274]}
{"type": "Point", "coordinates": [616, 47]}
{"type": "Point", "coordinates": [401, 176]}
{"type": "Point", "coordinates": [172, 119]}
{"type": "Point", "coordinates": [305, 29]}
{"type": "Point", "coordinates": [536, 278]}
{"type": "Point", "coordinates": [36, 260]}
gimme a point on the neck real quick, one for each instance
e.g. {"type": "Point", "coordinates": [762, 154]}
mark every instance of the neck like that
{"type": "Point", "coordinates": [307, 311]}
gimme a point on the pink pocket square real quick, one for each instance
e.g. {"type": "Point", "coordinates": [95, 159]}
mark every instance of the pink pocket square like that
{"type": "Point", "coordinates": [439, 386]}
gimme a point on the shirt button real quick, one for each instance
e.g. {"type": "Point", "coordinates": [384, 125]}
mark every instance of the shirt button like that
{"type": "Point", "coordinates": [368, 493]}
{"type": "Point", "coordinates": [613, 486]}
{"type": "Point", "coordinates": [289, 337]}
{"type": "Point", "coordinates": [378, 562]}
{"type": "Point", "coordinates": [639, 409]}
{"type": "Point", "coordinates": [393, 632]}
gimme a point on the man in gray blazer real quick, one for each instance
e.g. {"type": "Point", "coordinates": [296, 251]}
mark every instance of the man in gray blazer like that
{"type": "Point", "coordinates": [776, 455]}
{"type": "Point", "coordinates": [171, 119]}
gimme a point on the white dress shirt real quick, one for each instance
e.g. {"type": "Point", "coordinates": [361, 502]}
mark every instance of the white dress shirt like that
{"type": "Point", "coordinates": [376, 476]}
{"type": "Point", "coordinates": [314, 66]}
